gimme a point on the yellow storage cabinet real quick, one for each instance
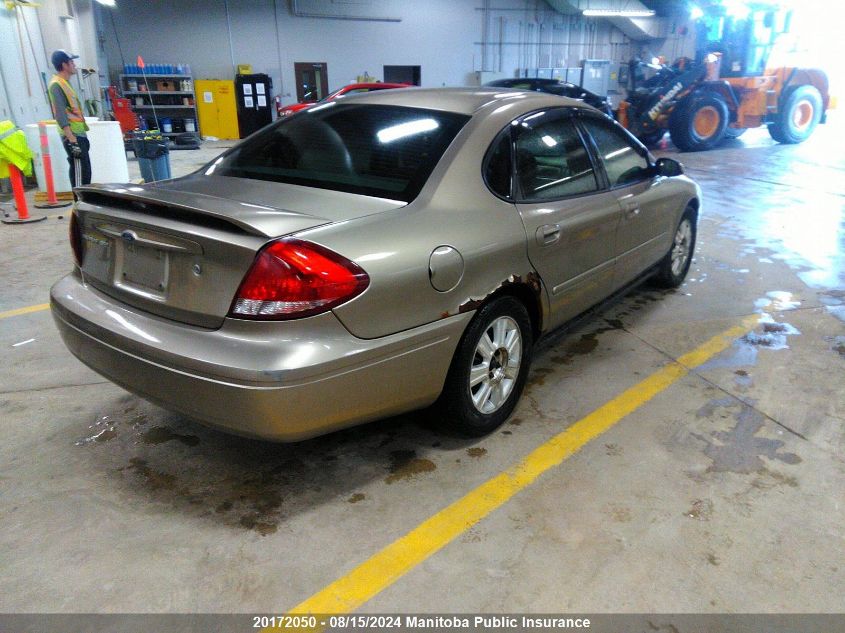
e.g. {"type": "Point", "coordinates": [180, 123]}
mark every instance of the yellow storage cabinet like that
{"type": "Point", "coordinates": [216, 108]}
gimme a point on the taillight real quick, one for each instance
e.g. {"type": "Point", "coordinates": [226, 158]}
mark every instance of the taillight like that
{"type": "Point", "coordinates": [292, 278]}
{"type": "Point", "coordinates": [75, 236]}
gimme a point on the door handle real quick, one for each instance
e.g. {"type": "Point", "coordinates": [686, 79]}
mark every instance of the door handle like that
{"type": "Point", "coordinates": [632, 208]}
{"type": "Point", "coordinates": [548, 234]}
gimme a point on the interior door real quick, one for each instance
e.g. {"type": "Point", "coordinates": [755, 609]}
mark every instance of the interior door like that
{"type": "Point", "coordinates": [403, 75]}
{"type": "Point", "coordinates": [312, 83]}
{"type": "Point", "coordinates": [571, 223]}
{"type": "Point", "coordinates": [647, 209]}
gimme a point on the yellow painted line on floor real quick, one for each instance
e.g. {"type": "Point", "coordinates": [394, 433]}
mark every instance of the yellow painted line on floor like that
{"type": "Point", "coordinates": [386, 567]}
{"type": "Point", "coordinates": [27, 310]}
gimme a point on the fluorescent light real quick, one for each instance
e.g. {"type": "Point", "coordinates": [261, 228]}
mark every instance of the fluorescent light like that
{"type": "Point", "coordinates": [737, 9]}
{"type": "Point", "coordinates": [695, 12]}
{"type": "Point", "coordinates": [108, 3]}
{"type": "Point", "coordinates": [620, 13]}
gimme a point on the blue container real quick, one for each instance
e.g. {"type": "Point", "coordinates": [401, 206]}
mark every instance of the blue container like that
{"type": "Point", "coordinates": [153, 156]}
{"type": "Point", "coordinates": [153, 169]}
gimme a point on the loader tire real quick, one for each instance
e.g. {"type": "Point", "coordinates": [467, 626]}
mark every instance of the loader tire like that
{"type": "Point", "coordinates": [799, 115]}
{"type": "Point", "coordinates": [699, 122]}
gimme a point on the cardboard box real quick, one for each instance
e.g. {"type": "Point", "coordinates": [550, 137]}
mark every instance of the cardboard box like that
{"type": "Point", "coordinates": [165, 85]}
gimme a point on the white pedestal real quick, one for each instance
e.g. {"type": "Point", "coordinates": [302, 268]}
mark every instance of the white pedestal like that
{"type": "Point", "coordinates": [108, 158]}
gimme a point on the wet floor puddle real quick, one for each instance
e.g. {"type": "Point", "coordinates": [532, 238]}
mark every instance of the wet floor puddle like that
{"type": "Point", "coordinates": [160, 435]}
{"type": "Point", "coordinates": [768, 334]}
{"type": "Point", "coordinates": [834, 301]}
{"type": "Point", "coordinates": [566, 352]}
{"type": "Point", "coordinates": [801, 230]}
{"type": "Point", "coordinates": [406, 465]}
{"type": "Point", "coordinates": [740, 449]}
{"type": "Point", "coordinates": [239, 483]}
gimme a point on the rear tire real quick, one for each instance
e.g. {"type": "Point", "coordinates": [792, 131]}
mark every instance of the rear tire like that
{"type": "Point", "coordinates": [489, 369]}
{"type": "Point", "coordinates": [800, 114]}
{"type": "Point", "coordinates": [698, 123]}
{"type": "Point", "coordinates": [674, 266]}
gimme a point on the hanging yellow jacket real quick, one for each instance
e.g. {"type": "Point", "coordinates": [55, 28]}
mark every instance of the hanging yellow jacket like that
{"type": "Point", "coordinates": [73, 110]}
{"type": "Point", "coordinates": [14, 150]}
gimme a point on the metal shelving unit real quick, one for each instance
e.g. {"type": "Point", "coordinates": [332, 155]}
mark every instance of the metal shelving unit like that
{"type": "Point", "coordinates": [168, 103]}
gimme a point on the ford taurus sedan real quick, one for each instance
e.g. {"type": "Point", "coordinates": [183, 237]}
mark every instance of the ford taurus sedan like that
{"type": "Point", "coordinates": [368, 257]}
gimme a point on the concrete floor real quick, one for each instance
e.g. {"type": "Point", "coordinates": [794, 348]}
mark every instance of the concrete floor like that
{"type": "Point", "coordinates": [723, 493]}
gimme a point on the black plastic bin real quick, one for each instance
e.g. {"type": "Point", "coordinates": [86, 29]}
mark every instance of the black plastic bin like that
{"type": "Point", "coordinates": [153, 155]}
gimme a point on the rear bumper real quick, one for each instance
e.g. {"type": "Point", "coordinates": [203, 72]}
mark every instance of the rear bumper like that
{"type": "Point", "coordinates": [283, 381]}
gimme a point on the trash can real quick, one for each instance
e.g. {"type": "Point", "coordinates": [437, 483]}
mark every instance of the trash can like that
{"type": "Point", "coordinates": [153, 155]}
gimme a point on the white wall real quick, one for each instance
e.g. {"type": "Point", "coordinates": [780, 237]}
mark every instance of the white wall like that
{"type": "Point", "coordinates": [449, 39]}
{"type": "Point", "coordinates": [24, 97]}
{"type": "Point", "coordinates": [28, 35]}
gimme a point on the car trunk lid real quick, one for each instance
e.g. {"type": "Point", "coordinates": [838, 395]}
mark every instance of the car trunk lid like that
{"type": "Point", "coordinates": [181, 252]}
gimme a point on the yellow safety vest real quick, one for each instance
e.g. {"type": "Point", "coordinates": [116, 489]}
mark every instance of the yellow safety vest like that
{"type": "Point", "coordinates": [74, 108]}
{"type": "Point", "coordinates": [13, 149]}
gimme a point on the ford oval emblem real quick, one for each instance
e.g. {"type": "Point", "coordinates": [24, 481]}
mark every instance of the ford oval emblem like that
{"type": "Point", "coordinates": [129, 236]}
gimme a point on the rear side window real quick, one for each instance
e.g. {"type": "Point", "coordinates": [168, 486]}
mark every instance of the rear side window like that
{"type": "Point", "coordinates": [621, 158]}
{"type": "Point", "coordinates": [498, 171]}
{"type": "Point", "coordinates": [375, 150]}
{"type": "Point", "coordinates": [552, 161]}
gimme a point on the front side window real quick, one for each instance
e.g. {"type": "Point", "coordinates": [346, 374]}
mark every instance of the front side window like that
{"type": "Point", "coordinates": [551, 160]}
{"type": "Point", "coordinates": [622, 160]}
{"type": "Point", "coordinates": [374, 150]}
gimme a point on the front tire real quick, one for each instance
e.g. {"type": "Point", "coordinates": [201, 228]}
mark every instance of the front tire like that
{"type": "Point", "coordinates": [674, 266]}
{"type": "Point", "coordinates": [799, 116]}
{"type": "Point", "coordinates": [489, 369]}
{"type": "Point", "coordinates": [699, 122]}
{"type": "Point", "coordinates": [734, 132]}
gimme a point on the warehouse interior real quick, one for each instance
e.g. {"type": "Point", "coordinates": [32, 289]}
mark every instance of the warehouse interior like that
{"type": "Point", "coordinates": [675, 451]}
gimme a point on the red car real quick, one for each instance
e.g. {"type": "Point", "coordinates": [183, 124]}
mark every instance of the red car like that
{"type": "Point", "coordinates": [337, 94]}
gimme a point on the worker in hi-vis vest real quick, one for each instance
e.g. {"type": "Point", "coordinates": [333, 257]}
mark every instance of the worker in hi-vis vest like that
{"type": "Point", "coordinates": [68, 114]}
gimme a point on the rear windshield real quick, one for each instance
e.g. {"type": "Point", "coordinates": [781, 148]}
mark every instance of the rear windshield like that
{"type": "Point", "coordinates": [375, 150]}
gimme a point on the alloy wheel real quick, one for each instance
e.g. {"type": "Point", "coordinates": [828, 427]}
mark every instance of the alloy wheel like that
{"type": "Point", "coordinates": [681, 246]}
{"type": "Point", "coordinates": [495, 365]}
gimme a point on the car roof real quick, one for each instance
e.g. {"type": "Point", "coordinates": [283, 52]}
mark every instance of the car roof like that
{"type": "Point", "coordinates": [522, 80]}
{"type": "Point", "coordinates": [373, 85]}
{"type": "Point", "coordinates": [463, 100]}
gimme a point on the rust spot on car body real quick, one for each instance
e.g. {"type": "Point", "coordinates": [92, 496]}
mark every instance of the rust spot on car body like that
{"type": "Point", "coordinates": [532, 280]}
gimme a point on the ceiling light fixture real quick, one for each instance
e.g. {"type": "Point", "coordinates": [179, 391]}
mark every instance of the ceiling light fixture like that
{"type": "Point", "coordinates": [620, 13]}
{"type": "Point", "coordinates": [108, 3]}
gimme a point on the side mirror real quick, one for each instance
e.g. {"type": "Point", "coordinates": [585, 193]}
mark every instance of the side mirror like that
{"type": "Point", "coordinates": [668, 167]}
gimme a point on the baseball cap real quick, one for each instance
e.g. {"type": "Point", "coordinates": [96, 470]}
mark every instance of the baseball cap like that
{"type": "Point", "coordinates": [59, 57]}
